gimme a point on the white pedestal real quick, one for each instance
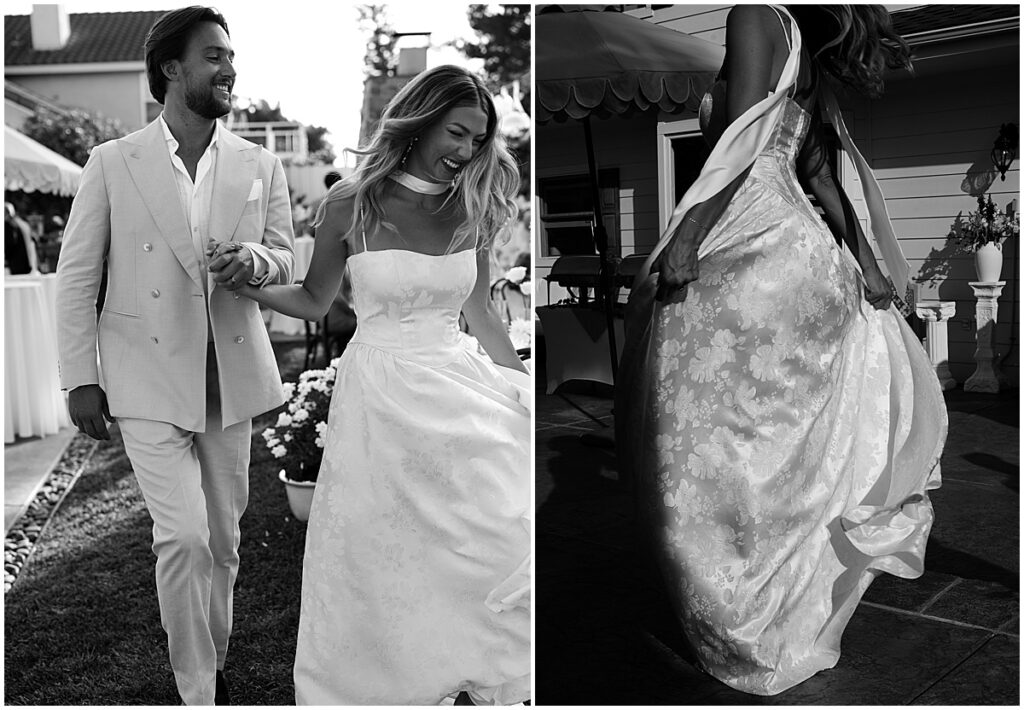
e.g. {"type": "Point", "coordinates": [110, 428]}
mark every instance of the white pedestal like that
{"type": "Point", "coordinates": [937, 314]}
{"type": "Point", "coordinates": [985, 377]}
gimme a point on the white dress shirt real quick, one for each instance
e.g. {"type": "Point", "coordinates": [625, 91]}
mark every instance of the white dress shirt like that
{"type": "Point", "coordinates": [196, 198]}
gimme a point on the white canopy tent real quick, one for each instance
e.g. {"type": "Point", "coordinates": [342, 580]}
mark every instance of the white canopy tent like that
{"type": "Point", "coordinates": [32, 167]}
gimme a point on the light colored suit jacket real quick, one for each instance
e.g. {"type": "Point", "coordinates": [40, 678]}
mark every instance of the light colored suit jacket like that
{"type": "Point", "coordinates": [152, 333]}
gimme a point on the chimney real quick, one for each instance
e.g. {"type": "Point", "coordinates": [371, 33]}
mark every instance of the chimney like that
{"type": "Point", "coordinates": [411, 60]}
{"type": "Point", "coordinates": [412, 52]}
{"type": "Point", "coordinates": [50, 27]}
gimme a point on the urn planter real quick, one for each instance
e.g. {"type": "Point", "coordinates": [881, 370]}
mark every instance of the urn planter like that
{"type": "Point", "coordinates": [988, 261]}
{"type": "Point", "coordinates": [300, 495]}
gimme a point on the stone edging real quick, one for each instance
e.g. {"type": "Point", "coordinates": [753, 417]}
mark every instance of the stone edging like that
{"type": "Point", "coordinates": [28, 528]}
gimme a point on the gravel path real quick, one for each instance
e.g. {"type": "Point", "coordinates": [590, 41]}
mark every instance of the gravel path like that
{"type": "Point", "coordinates": [29, 527]}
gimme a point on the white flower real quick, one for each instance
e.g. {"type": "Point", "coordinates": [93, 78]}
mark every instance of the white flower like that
{"type": "Point", "coordinates": [288, 438]}
{"type": "Point", "coordinates": [301, 415]}
{"type": "Point", "coordinates": [268, 434]}
{"type": "Point", "coordinates": [289, 389]}
{"type": "Point", "coordinates": [520, 332]}
{"type": "Point", "coordinates": [284, 419]}
{"type": "Point", "coordinates": [279, 452]}
{"type": "Point", "coordinates": [319, 442]}
{"type": "Point", "coordinates": [526, 288]}
{"type": "Point", "coordinates": [271, 443]}
{"type": "Point", "coordinates": [321, 428]}
{"type": "Point", "coordinates": [516, 274]}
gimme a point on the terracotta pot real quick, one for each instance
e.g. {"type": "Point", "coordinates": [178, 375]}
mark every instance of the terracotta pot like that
{"type": "Point", "coordinates": [300, 495]}
{"type": "Point", "coordinates": [988, 261]}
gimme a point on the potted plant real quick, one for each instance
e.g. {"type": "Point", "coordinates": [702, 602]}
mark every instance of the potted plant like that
{"type": "Point", "coordinates": [982, 232]}
{"type": "Point", "coordinates": [297, 439]}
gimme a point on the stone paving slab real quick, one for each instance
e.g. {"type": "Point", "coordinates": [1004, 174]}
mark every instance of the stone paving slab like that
{"type": "Point", "coordinates": [605, 634]}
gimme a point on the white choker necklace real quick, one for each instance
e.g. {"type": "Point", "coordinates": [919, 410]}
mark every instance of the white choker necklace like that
{"type": "Point", "coordinates": [418, 185]}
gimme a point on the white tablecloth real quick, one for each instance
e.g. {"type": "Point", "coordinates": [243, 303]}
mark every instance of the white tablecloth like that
{"type": "Point", "coordinates": [33, 402]}
{"type": "Point", "coordinates": [303, 256]}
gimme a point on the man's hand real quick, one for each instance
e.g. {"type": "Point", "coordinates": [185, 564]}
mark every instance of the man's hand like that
{"type": "Point", "coordinates": [231, 264]}
{"type": "Point", "coordinates": [87, 407]}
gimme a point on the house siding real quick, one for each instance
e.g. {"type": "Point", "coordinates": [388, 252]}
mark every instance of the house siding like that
{"type": "Point", "coordinates": [923, 139]}
{"type": "Point", "coordinates": [114, 95]}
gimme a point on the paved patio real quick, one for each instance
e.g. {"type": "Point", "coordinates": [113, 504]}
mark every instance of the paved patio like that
{"type": "Point", "coordinates": [606, 636]}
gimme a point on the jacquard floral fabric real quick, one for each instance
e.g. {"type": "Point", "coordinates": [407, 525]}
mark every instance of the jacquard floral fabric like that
{"type": "Point", "coordinates": [783, 435]}
{"type": "Point", "coordinates": [416, 580]}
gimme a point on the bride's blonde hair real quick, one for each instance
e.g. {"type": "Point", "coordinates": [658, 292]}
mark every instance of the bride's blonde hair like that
{"type": "Point", "coordinates": [486, 186]}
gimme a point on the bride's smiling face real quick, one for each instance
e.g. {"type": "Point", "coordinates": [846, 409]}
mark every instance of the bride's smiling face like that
{"type": "Point", "coordinates": [447, 145]}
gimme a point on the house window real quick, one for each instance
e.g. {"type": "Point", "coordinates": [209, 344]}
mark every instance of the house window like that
{"type": "Point", "coordinates": [689, 153]}
{"type": "Point", "coordinates": [567, 213]}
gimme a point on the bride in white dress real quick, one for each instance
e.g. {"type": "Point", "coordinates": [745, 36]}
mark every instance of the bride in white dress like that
{"type": "Point", "coordinates": [415, 584]}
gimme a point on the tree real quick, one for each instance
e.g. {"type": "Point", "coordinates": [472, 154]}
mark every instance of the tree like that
{"type": "Point", "coordinates": [381, 58]}
{"type": "Point", "coordinates": [73, 133]}
{"type": "Point", "coordinates": [503, 42]}
{"type": "Point", "coordinates": [319, 148]}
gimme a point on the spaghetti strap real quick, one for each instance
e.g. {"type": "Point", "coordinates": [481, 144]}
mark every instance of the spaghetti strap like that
{"type": "Point", "coordinates": [363, 230]}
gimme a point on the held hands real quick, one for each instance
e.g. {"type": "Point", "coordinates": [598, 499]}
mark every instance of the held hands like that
{"type": "Point", "coordinates": [877, 291]}
{"type": "Point", "coordinates": [231, 264]}
{"type": "Point", "coordinates": [87, 407]}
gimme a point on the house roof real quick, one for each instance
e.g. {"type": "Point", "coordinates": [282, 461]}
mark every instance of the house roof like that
{"type": "Point", "coordinates": [95, 37]}
{"type": "Point", "coordinates": [928, 18]}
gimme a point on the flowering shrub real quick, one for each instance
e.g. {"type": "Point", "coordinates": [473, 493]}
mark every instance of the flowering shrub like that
{"type": "Point", "coordinates": [984, 226]}
{"type": "Point", "coordinates": [297, 439]}
{"type": "Point", "coordinates": [520, 332]}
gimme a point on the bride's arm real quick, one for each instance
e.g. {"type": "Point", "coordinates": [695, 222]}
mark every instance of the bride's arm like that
{"type": "Point", "coordinates": [482, 317]}
{"type": "Point", "coordinates": [816, 177]}
{"type": "Point", "coordinates": [750, 46]}
{"type": "Point", "coordinates": [311, 299]}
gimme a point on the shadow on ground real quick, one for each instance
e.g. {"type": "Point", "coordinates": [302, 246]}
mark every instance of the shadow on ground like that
{"type": "Point", "coordinates": [607, 636]}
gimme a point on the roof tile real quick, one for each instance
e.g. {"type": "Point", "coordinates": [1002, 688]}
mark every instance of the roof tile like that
{"type": "Point", "coordinates": [95, 37]}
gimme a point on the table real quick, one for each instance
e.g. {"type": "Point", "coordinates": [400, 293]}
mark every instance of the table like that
{"type": "Point", "coordinates": [286, 324]}
{"type": "Point", "coordinates": [33, 402]}
{"type": "Point", "coordinates": [576, 343]}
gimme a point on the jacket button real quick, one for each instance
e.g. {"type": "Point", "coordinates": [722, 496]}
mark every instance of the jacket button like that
{"type": "Point", "coordinates": [147, 247]}
{"type": "Point", "coordinates": [155, 293]}
{"type": "Point", "coordinates": [240, 339]}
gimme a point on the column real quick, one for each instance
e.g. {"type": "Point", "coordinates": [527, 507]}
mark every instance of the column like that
{"type": "Point", "coordinates": [985, 377]}
{"type": "Point", "coordinates": [936, 314]}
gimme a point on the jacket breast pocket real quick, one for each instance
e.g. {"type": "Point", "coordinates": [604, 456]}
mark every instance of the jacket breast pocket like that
{"type": "Point", "coordinates": [251, 207]}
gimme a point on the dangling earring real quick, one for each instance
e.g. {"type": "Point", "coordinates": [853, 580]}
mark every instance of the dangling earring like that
{"type": "Point", "coordinates": [408, 149]}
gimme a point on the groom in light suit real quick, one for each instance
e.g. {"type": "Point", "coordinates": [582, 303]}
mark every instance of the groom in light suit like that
{"type": "Point", "coordinates": [183, 212]}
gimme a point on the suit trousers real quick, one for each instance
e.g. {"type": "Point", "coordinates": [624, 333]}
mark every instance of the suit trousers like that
{"type": "Point", "coordinates": [196, 487]}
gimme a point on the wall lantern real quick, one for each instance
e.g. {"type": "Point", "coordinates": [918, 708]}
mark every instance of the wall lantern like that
{"type": "Point", "coordinates": [1004, 150]}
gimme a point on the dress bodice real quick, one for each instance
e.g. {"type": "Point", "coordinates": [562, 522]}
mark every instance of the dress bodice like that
{"type": "Point", "coordinates": [408, 303]}
{"type": "Point", "coordinates": [775, 165]}
{"type": "Point", "coordinates": [787, 136]}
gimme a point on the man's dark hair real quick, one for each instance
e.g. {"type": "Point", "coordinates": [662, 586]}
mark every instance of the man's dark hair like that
{"type": "Point", "coordinates": [167, 39]}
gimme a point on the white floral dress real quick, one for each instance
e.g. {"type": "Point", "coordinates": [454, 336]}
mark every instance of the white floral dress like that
{"type": "Point", "coordinates": [783, 434]}
{"type": "Point", "coordinates": [415, 581]}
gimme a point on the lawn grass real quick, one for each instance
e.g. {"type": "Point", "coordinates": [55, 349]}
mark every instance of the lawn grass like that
{"type": "Point", "coordinates": [82, 623]}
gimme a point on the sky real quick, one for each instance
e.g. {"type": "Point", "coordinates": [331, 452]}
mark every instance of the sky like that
{"type": "Point", "coordinates": [305, 54]}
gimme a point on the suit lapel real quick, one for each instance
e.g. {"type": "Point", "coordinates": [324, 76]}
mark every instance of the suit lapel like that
{"type": "Point", "coordinates": [149, 165]}
{"type": "Point", "coordinates": [236, 170]}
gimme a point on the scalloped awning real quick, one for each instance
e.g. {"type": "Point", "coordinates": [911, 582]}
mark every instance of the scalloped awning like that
{"type": "Point", "coordinates": [32, 167]}
{"type": "Point", "coordinates": [606, 63]}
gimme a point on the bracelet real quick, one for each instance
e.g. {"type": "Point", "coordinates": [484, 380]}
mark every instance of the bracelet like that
{"type": "Point", "coordinates": [697, 223]}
